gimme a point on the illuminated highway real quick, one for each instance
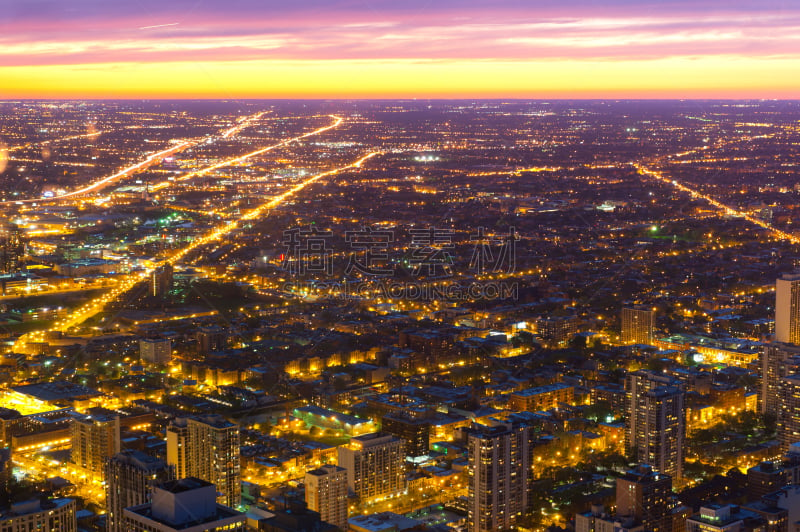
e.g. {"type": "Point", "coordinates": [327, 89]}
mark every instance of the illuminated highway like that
{"type": "Point", "coordinates": [726, 209]}
{"type": "Point", "coordinates": [241, 158]}
{"type": "Point", "coordinates": [151, 160]}
{"type": "Point", "coordinates": [126, 284]}
{"type": "Point", "coordinates": [51, 141]}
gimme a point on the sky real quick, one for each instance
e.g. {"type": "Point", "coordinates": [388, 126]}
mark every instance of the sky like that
{"type": "Point", "coordinates": [399, 49]}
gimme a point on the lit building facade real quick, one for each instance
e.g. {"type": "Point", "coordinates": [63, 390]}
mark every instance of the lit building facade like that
{"type": "Point", "coordinates": [207, 448]}
{"type": "Point", "coordinates": [94, 439]}
{"type": "Point", "coordinates": [638, 326]}
{"type": "Point", "coordinates": [500, 470]}
{"type": "Point", "coordinates": [787, 309]}
{"type": "Point", "coordinates": [130, 477]}
{"type": "Point", "coordinates": [375, 465]}
{"type": "Point", "coordinates": [187, 505]}
{"type": "Point", "coordinates": [326, 493]}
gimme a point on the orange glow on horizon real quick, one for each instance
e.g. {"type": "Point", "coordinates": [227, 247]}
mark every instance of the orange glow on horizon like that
{"type": "Point", "coordinates": [672, 77]}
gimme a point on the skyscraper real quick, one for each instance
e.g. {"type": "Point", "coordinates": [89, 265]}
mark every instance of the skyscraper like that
{"type": "Point", "coordinates": [130, 477]}
{"type": "Point", "coordinates": [414, 431]}
{"type": "Point", "coordinates": [94, 438]}
{"type": "Point", "coordinates": [155, 350]}
{"type": "Point", "coordinates": [177, 442]}
{"type": "Point", "coordinates": [161, 280]}
{"type": "Point", "coordinates": [787, 309]}
{"type": "Point", "coordinates": [645, 496]}
{"type": "Point", "coordinates": [656, 421]}
{"type": "Point", "coordinates": [637, 384]}
{"type": "Point", "coordinates": [326, 493]}
{"type": "Point", "coordinates": [207, 448]}
{"type": "Point", "coordinates": [789, 411]}
{"type": "Point", "coordinates": [499, 473]}
{"type": "Point", "coordinates": [777, 361]}
{"type": "Point", "coordinates": [184, 504]}
{"type": "Point", "coordinates": [638, 324]}
{"type": "Point", "coordinates": [12, 248]}
{"type": "Point", "coordinates": [375, 465]}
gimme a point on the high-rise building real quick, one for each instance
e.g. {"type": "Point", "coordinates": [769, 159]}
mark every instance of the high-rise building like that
{"type": "Point", "coordinates": [375, 465]}
{"type": "Point", "coordinates": [557, 331]}
{"type": "Point", "coordinates": [177, 443]}
{"type": "Point", "coordinates": [12, 248]}
{"type": "Point", "coordinates": [95, 438]}
{"type": "Point", "coordinates": [414, 431]}
{"type": "Point", "coordinates": [787, 309]}
{"type": "Point", "coordinates": [130, 478]}
{"type": "Point", "coordinates": [777, 361]}
{"type": "Point", "coordinates": [187, 504]}
{"type": "Point", "coordinates": [638, 324]}
{"type": "Point", "coordinates": [155, 350]}
{"type": "Point", "coordinates": [665, 430]}
{"type": "Point", "coordinates": [207, 447]}
{"type": "Point", "coordinates": [326, 493]}
{"type": "Point", "coordinates": [646, 496]}
{"type": "Point", "coordinates": [727, 518]}
{"type": "Point", "coordinates": [789, 411]}
{"type": "Point", "coordinates": [765, 478]}
{"type": "Point", "coordinates": [500, 462]}
{"type": "Point", "coordinates": [54, 515]}
{"type": "Point", "coordinates": [6, 469]}
{"type": "Point", "coordinates": [598, 520]}
{"type": "Point", "coordinates": [161, 280]}
{"type": "Point", "coordinates": [210, 339]}
{"type": "Point", "coordinates": [656, 421]}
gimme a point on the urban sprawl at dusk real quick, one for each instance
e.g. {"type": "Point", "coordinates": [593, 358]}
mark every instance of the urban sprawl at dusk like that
{"type": "Point", "coordinates": [399, 267]}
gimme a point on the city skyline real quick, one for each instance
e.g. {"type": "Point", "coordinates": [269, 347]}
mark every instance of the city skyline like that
{"type": "Point", "coordinates": [420, 49]}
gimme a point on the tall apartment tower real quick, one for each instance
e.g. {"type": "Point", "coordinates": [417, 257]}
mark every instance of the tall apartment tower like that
{"type": "Point", "coordinates": [161, 280]}
{"type": "Point", "coordinates": [789, 411]}
{"type": "Point", "coordinates": [499, 475]}
{"type": "Point", "coordinates": [207, 448]}
{"type": "Point", "coordinates": [645, 496]}
{"type": "Point", "coordinates": [637, 384]}
{"type": "Point", "coordinates": [326, 493]}
{"type": "Point", "coordinates": [414, 431]}
{"type": "Point", "coordinates": [130, 477]}
{"type": "Point", "coordinates": [638, 324]}
{"type": "Point", "coordinates": [177, 443]}
{"type": "Point", "coordinates": [155, 350]}
{"type": "Point", "coordinates": [777, 361]}
{"type": "Point", "coordinates": [375, 465]}
{"type": "Point", "coordinates": [656, 421]}
{"type": "Point", "coordinates": [787, 309]}
{"type": "Point", "coordinates": [94, 438]}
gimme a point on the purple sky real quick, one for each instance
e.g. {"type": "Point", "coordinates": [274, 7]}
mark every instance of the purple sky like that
{"type": "Point", "coordinates": [86, 31]}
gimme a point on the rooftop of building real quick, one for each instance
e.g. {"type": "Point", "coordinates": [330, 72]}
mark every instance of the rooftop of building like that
{"type": "Point", "coordinates": [139, 459]}
{"type": "Point", "coordinates": [543, 389]}
{"type": "Point", "coordinates": [325, 470]}
{"type": "Point", "coordinates": [56, 391]}
{"type": "Point", "coordinates": [383, 521]}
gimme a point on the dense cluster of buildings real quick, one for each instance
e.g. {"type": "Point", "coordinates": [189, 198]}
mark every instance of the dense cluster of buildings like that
{"type": "Point", "coordinates": [453, 337]}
